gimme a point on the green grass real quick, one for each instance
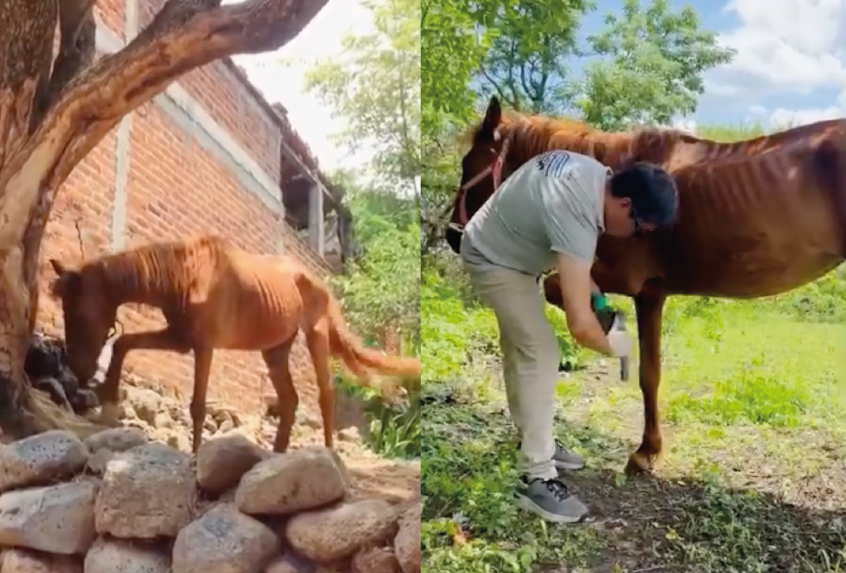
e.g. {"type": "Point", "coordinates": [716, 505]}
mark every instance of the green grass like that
{"type": "Point", "coordinates": [754, 432]}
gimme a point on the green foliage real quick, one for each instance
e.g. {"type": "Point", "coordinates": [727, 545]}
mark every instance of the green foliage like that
{"type": "Point", "coordinates": [451, 50]}
{"type": "Point", "coordinates": [381, 289]}
{"type": "Point", "coordinates": [394, 430]}
{"type": "Point", "coordinates": [534, 41]}
{"type": "Point", "coordinates": [571, 353]}
{"type": "Point", "coordinates": [374, 89]}
{"type": "Point", "coordinates": [450, 43]}
{"type": "Point", "coordinates": [451, 332]}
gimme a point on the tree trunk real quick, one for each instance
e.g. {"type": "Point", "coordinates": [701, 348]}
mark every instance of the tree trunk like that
{"type": "Point", "coordinates": [53, 111]}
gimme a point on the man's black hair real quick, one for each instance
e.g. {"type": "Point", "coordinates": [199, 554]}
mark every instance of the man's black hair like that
{"type": "Point", "coordinates": [653, 193]}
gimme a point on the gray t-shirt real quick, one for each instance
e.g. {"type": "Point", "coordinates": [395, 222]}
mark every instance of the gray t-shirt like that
{"type": "Point", "coordinates": [552, 204]}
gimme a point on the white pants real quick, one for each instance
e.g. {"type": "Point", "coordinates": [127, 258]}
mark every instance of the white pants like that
{"type": "Point", "coordinates": [530, 356]}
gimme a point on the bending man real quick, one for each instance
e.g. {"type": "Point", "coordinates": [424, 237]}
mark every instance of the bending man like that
{"type": "Point", "coordinates": [550, 214]}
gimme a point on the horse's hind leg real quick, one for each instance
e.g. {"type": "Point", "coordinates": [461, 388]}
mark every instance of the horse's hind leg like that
{"type": "Point", "coordinates": [317, 338]}
{"type": "Point", "coordinates": [279, 370]}
{"type": "Point", "coordinates": [202, 369]}
{"type": "Point", "coordinates": [107, 392]}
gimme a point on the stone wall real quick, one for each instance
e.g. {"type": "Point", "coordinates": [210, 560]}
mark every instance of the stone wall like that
{"type": "Point", "coordinates": [118, 503]}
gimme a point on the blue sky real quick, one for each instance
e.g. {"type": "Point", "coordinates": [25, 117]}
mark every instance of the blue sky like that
{"type": "Point", "coordinates": [790, 65]}
{"type": "Point", "coordinates": [791, 60]}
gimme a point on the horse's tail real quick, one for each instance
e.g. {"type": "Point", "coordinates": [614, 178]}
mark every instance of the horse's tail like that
{"type": "Point", "coordinates": [358, 357]}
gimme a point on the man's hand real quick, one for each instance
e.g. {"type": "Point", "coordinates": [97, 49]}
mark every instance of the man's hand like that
{"type": "Point", "coordinates": [576, 289]}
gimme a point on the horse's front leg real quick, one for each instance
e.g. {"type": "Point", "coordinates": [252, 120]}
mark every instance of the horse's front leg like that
{"type": "Point", "coordinates": [649, 306]}
{"type": "Point", "coordinates": [107, 392]}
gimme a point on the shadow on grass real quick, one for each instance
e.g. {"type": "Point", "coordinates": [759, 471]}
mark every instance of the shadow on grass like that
{"type": "Point", "coordinates": [642, 524]}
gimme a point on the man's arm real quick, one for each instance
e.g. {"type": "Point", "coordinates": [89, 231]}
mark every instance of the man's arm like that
{"type": "Point", "coordinates": [576, 287]}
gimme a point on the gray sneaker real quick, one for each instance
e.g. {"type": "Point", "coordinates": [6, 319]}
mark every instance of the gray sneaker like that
{"type": "Point", "coordinates": [551, 500]}
{"type": "Point", "coordinates": [564, 459]}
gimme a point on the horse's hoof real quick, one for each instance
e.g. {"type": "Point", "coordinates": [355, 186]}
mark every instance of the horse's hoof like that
{"type": "Point", "coordinates": [109, 415]}
{"type": "Point", "coordinates": [640, 464]}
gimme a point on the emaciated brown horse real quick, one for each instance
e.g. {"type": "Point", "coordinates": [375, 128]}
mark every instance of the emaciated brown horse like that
{"type": "Point", "coordinates": [756, 218]}
{"type": "Point", "coordinates": [214, 295]}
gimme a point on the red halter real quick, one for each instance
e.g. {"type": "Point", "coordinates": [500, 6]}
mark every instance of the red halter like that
{"type": "Point", "coordinates": [495, 170]}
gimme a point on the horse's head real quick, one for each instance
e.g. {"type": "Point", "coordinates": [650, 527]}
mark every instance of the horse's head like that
{"type": "Point", "coordinates": [88, 315]}
{"type": "Point", "coordinates": [481, 172]}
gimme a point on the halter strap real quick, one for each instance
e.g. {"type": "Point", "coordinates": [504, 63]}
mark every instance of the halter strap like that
{"type": "Point", "coordinates": [495, 170]}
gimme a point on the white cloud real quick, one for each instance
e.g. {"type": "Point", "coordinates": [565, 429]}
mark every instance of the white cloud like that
{"type": "Point", "coordinates": [781, 117]}
{"type": "Point", "coordinates": [320, 38]}
{"type": "Point", "coordinates": [685, 124]}
{"type": "Point", "coordinates": [808, 26]}
{"type": "Point", "coordinates": [783, 46]}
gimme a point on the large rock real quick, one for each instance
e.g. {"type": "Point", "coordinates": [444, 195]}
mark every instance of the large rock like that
{"type": "Point", "coordinates": [374, 560]}
{"type": "Point", "coordinates": [334, 533]}
{"type": "Point", "coordinates": [221, 462]}
{"type": "Point", "coordinates": [147, 492]}
{"type": "Point", "coordinates": [119, 556]}
{"type": "Point", "coordinates": [116, 439]}
{"type": "Point", "coordinates": [287, 483]}
{"type": "Point", "coordinates": [407, 541]}
{"type": "Point", "coordinates": [224, 540]}
{"type": "Point", "coordinates": [103, 445]}
{"type": "Point", "coordinates": [40, 459]}
{"type": "Point", "coordinates": [20, 560]}
{"type": "Point", "coordinates": [56, 519]}
{"type": "Point", "coordinates": [289, 563]}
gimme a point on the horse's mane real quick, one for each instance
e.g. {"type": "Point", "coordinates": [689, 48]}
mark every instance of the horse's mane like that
{"type": "Point", "coordinates": [534, 134]}
{"type": "Point", "coordinates": [165, 267]}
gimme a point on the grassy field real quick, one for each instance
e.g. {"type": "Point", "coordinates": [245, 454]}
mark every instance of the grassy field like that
{"type": "Point", "coordinates": [753, 477]}
{"type": "Point", "coordinates": [754, 420]}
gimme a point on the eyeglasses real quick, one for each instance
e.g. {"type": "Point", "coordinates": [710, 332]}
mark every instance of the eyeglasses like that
{"type": "Point", "coordinates": [636, 219]}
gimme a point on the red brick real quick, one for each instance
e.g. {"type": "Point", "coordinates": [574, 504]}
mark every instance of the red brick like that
{"type": "Point", "coordinates": [175, 188]}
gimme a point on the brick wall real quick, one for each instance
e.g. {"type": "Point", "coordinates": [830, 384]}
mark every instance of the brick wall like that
{"type": "Point", "coordinates": [163, 174]}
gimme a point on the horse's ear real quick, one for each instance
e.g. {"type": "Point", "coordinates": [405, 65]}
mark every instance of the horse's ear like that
{"type": "Point", "coordinates": [67, 283]}
{"type": "Point", "coordinates": [58, 267]}
{"type": "Point", "coordinates": [493, 116]}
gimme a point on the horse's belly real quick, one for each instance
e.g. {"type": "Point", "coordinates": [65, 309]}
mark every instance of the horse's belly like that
{"type": "Point", "coordinates": [255, 326]}
{"type": "Point", "coordinates": [739, 276]}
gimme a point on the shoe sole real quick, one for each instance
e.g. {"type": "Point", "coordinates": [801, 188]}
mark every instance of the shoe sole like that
{"type": "Point", "coordinates": [524, 502]}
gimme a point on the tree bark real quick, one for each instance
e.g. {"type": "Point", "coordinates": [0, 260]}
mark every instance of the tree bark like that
{"type": "Point", "coordinates": [53, 111]}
